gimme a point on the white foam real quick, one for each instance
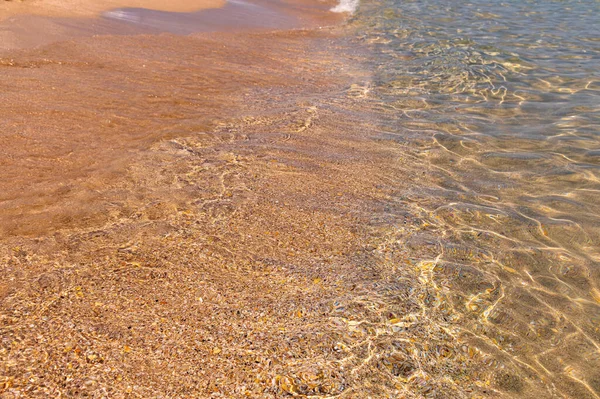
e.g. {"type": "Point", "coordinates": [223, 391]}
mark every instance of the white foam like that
{"type": "Point", "coordinates": [123, 15]}
{"type": "Point", "coordinates": [346, 6]}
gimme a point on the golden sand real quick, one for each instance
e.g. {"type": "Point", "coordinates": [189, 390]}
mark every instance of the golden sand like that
{"type": "Point", "coordinates": [209, 216]}
{"type": "Point", "coordinates": [190, 217]}
{"type": "Point", "coordinates": [91, 8]}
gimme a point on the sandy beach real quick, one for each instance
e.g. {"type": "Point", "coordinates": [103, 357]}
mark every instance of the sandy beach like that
{"type": "Point", "coordinates": [266, 199]}
{"type": "Point", "coordinates": [93, 8]}
{"type": "Point", "coordinates": [171, 225]}
{"type": "Point", "coordinates": [188, 217]}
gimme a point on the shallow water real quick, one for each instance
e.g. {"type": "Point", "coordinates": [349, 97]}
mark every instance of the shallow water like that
{"type": "Point", "coordinates": [403, 206]}
{"type": "Point", "coordinates": [499, 102]}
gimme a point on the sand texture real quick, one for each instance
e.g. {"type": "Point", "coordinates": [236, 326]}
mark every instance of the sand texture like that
{"type": "Point", "coordinates": [235, 215]}
{"type": "Point", "coordinates": [91, 8]}
{"type": "Point", "coordinates": [191, 217]}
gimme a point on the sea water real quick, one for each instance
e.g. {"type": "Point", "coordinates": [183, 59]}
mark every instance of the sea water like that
{"type": "Point", "coordinates": [402, 206]}
{"type": "Point", "coordinates": [499, 102]}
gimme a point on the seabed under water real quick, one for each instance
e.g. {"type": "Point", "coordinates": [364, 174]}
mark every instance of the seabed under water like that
{"type": "Point", "coordinates": [400, 206]}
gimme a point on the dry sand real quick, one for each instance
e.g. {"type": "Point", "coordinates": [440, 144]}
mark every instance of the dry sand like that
{"type": "Point", "coordinates": [91, 8]}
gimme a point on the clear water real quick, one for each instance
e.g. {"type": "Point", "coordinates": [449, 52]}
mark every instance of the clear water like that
{"type": "Point", "coordinates": [405, 206]}
{"type": "Point", "coordinates": [498, 103]}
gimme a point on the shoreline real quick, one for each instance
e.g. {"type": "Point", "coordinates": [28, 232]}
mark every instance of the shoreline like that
{"type": "Point", "coordinates": [273, 205]}
{"type": "Point", "coordinates": [94, 8]}
{"type": "Point", "coordinates": [190, 216]}
{"type": "Point", "coordinates": [26, 30]}
{"type": "Point", "coordinates": [153, 226]}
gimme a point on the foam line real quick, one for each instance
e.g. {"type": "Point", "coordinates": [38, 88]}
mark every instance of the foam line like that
{"type": "Point", "coordinates": [349, 6]}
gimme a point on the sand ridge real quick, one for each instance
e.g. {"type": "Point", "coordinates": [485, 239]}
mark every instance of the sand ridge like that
{"type": "Point", "coordinates": [92, 8]}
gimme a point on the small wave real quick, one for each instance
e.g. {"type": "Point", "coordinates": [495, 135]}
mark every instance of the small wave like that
{"type": "Point", "coordinates": [123, 15]}
{"type": "Point", "coordinates": [349, 6]}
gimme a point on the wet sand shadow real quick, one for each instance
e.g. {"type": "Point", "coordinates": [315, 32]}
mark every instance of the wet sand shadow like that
{"type": "Point", "coordinates": [27, 31]}
{"type": "Point", "coordinates": [235, 15]}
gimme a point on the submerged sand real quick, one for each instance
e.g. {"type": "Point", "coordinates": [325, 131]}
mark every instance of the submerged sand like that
{"type": "Point", "coordinates": [225, 215]}
{"type": "Point", "coordinates": [191, 217]}
{"type": "Point", "coordinates": [92, 8]}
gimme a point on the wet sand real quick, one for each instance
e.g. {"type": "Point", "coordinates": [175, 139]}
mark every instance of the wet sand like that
{"type": "Point", "coordinates": [199, 216]}
{"type": "Point", "coordinates": [27, 31]}
{"type": "Point", "coordinates": [93, 8]}
{"type": "Point", "coordinates": [175, 223]}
